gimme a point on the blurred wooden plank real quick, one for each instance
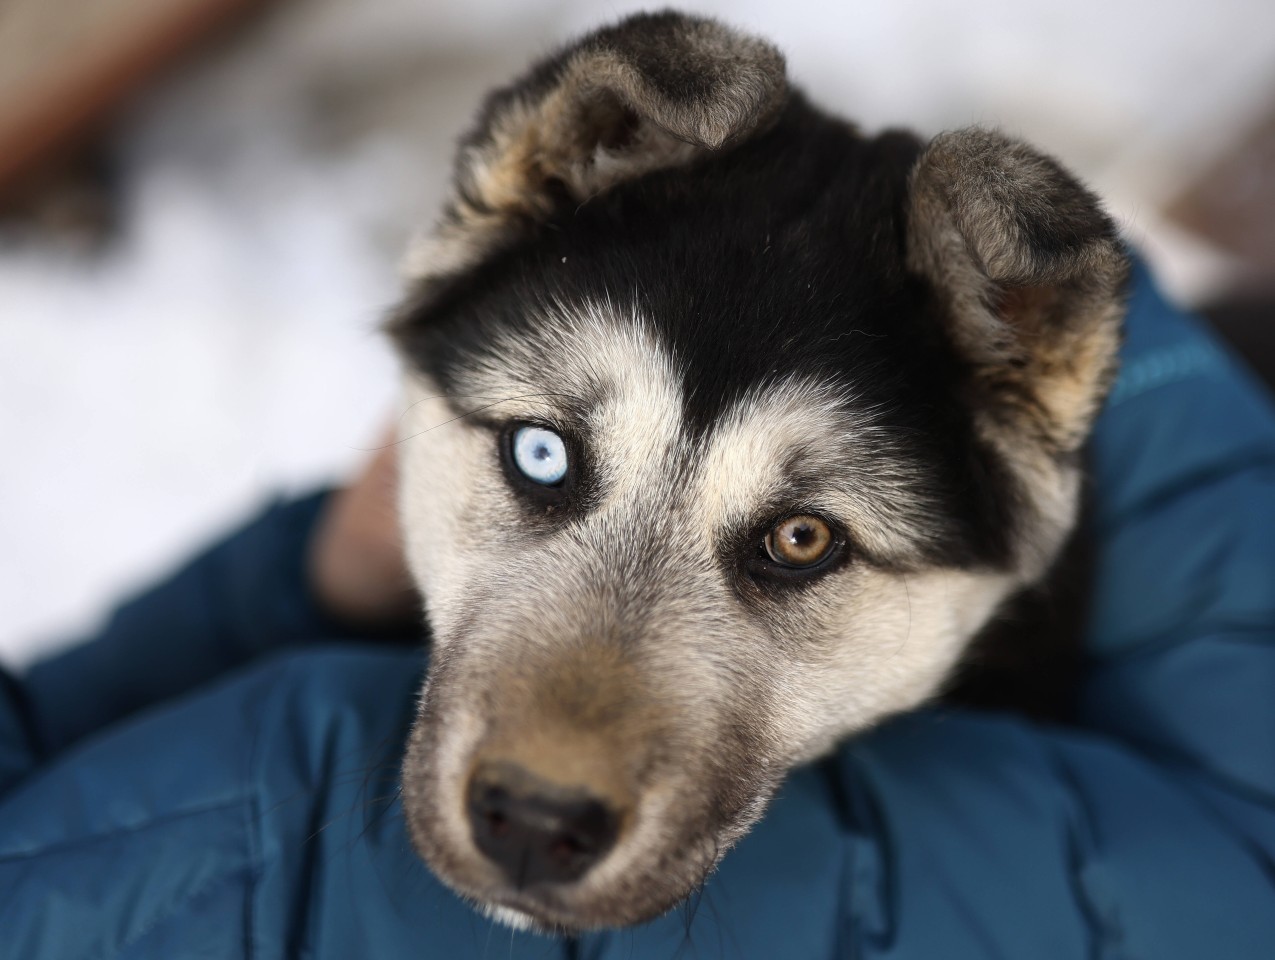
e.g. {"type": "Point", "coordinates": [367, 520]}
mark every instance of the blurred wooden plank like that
{"type": "Point", "coordinates": [64, 64]}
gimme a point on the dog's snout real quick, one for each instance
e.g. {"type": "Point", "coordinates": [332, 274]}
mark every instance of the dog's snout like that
{"type": "Point", "coordinates": [536, 831]}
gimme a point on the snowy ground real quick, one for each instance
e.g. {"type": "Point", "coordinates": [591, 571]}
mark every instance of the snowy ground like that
{"type": "Point", "coordinates": [225, 347]}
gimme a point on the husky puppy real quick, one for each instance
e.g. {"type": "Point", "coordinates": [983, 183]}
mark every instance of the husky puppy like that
{"type": "Point", "coordinates": [730, 427]}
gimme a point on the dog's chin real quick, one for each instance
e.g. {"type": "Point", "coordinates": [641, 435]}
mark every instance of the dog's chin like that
{"type": "Point", "coordinates": [510, 917]}
{"type": "Point", "coordinates": [525, 911]}
{"type": "Point", "coordinates": [534, 916]}
{"type": "Point", "coordinates": [555, 912]}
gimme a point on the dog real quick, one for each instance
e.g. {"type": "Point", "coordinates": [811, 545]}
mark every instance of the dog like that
{"type": "Point", "coordinates": [730, 428]}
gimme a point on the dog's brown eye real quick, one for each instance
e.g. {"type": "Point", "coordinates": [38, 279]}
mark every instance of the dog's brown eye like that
{"type": "Point", "coordinates": [800, 541]}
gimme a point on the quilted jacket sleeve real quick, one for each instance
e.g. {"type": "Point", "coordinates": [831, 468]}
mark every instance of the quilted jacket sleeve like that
{"type": "Point", "coordinates": [243, 597]}
{"type": "Point", "coordinates": [1147, 830]}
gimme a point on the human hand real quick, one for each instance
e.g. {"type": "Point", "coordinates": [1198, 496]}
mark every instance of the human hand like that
{"type": "Point", "coordinates": [356, 564]}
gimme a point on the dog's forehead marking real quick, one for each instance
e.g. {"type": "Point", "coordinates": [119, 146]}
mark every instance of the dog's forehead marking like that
{"type": "Point", "coordinates": [747, 454]}
{"type": "Point", "coordinates": [599, 367]}
{"type": "Point", "coordinates": [592, 361]}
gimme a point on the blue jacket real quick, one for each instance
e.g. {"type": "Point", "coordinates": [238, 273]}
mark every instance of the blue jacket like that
{"type": "Point", "coordinates": [204, 781]}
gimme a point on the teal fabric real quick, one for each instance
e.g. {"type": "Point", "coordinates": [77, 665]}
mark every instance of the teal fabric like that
{"type": "Point", "coordinates": [203, 780]}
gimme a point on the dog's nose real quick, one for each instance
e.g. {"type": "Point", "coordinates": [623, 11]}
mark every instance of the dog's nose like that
{"type": "Point", "coordinates": [536, 831]}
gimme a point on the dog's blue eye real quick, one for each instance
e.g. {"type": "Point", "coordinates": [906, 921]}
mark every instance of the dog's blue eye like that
{"type": "Point", "coordinates": [540, 454]}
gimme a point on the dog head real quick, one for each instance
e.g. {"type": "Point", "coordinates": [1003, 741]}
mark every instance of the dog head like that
{"type": "Point", "coordinates": [729, 427]}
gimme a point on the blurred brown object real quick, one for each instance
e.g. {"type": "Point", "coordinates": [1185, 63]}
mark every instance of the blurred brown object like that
{"type": "Point", "coordinates": [1232, 204]}
{"type": "Point", "coordinates": [64, 64]}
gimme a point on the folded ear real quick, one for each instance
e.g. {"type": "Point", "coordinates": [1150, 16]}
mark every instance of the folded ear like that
{"type": "Point", "coordinates": [1032, 274]}
{"type": "Point", "coordinates": [651, 92]}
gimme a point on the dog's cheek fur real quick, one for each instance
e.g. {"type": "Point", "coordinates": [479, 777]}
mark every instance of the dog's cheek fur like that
{"type": "Point", "coordinates": [443, 476]}
{"type": "Point", "coordinates": [868, 642]}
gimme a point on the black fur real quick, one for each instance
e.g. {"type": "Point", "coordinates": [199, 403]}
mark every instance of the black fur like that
{"type": "Point", "coordinates": [1029, 657]}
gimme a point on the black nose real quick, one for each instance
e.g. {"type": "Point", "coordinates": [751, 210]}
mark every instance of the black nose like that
{"type": "Point", "coordinates": [536, 831]}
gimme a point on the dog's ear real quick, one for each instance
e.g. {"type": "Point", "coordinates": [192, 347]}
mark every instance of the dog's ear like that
{"type": "Point", "coordinates": [651, 92]}
{"type": "Point", "coordinates": [1032, 275]}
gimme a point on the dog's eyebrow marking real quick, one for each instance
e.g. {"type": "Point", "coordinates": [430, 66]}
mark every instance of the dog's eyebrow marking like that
{"type": "Point", "coordinates": [475, 411]}
{"type": "Point", "coordinates": [850, 465]}
{"type": "Point", "coordinates": [746, 455]}
{"type": "Point", "coordinates": [599, 365]}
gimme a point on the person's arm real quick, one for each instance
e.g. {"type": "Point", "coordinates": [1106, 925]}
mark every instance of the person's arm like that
{"type": "Point", "coordinates": [324, 567]}
{"type": "Point", "coordinates": [247, 595]}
